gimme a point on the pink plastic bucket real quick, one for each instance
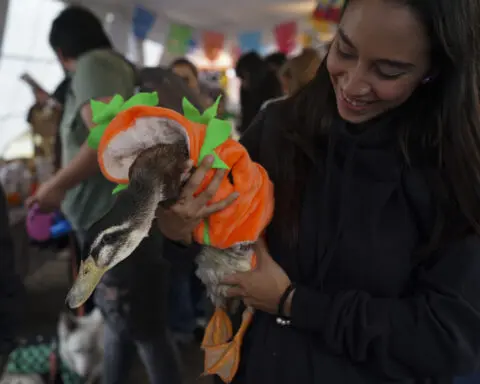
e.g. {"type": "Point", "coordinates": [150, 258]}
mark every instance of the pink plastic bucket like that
{"type": "Point", "coordinates": [38, 224]}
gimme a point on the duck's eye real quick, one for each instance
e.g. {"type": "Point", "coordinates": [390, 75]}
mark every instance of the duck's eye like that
{"type": "Point", "coordinates": [108, 238]}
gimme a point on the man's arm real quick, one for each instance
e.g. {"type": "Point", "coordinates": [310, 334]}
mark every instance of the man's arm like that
{"type": "Point", "coordinates": [97, 76]}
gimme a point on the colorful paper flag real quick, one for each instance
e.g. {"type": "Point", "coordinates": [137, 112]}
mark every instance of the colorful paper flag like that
{"type": "Point", "coordinates": [286, 36]}
{"type": "Point", "coordinates": [306, 40]}
{"type": "Point", "coordinates": [321, 26]}
{"type": "Point", "coordinates": [213, 43]}
{"type": "Point", "coordinates": [235, 52]}
{"type": "Point", "coordinates": [192, 44]}
{"type": "Point", "coordinates": [179, 38]}
{"type": "Point", "coordinates": [250, 41]}
{"type": "Point", "coordinates": [328, 10]}
{"type": "Point", "coordinates": [142, 22]}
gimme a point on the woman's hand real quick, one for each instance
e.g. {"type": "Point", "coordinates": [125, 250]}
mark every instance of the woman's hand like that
{"type": "Point", "coordinates": [262, 287]}
{"type": "Point", "coordinates": [178, 222]}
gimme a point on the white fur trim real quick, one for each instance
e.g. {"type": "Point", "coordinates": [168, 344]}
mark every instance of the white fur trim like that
{"type": "Point", "coordinates": [146, 132]}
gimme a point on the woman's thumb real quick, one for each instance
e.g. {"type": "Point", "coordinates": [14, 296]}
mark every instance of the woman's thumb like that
{"type": "Point", "coordinates": [261, 252]}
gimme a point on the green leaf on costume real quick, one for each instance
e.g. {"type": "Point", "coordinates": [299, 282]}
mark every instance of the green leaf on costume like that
{"type": "Point", "coordinates": [190, 112]}
{"type": "Point", "coordinates": [95, 136]}
{"type": "Point", "coordinates": [119, 188]}
{"type": "Point", "coordinates": [143, 98]}
{"type": "Point", "coordinates": [218, 131]}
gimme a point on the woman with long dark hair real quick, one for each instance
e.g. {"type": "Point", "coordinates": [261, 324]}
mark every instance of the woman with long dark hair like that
{"type": "Point", "coordinates": [370, 272]}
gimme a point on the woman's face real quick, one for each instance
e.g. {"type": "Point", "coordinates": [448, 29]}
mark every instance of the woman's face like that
{"type": "Point", "coordinates": [379, 56]}
{"type": "Point", "coordinates": [185, 72]}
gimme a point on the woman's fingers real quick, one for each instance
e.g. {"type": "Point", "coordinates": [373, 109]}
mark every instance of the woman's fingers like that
{"type": "Point", "coordinates": [194, 182]}
{"type": "Point", "coordinates": [188, 168]}
{"type": "Point", "coordinates": [212, 188]}
{"type": "Point", "coordinates": [233, 279]}
{"type": "Point", "coordinates": [237, 282]}
{"type": "Point", "coordinates": [235, 292]}
{"type": "Point", "coordinates": [193, 208]}
{"type": "Point", "coordinates": [219, 205]}
{"type": "Point", "coordinates": [261, 251]}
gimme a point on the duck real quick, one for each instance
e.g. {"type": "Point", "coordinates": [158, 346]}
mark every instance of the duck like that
{"type": "Point", "coordinates": [147, 150]}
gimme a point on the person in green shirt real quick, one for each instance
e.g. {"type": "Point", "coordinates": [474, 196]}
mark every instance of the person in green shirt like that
{"type": "Point", "coordinates": [133, 323]}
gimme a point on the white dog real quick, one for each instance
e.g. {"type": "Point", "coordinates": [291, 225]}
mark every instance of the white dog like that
{"type": "Point", "coordinates": [80, 351]}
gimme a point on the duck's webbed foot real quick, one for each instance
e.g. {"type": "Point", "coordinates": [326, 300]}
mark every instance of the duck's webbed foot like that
{"type": "Point", "coordinates": [223, 359]}
{"type": "Point", "coordinates": [219, 329]}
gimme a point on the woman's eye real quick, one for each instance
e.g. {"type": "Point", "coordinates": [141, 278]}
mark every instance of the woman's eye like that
{"type": "Point", "coordinates": [342, 53]}
{"type": "Point", "coordinates": [391, 74]}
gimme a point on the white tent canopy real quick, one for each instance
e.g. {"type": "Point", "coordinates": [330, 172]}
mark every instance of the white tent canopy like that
{"type": "Point", "coordinates": [26, 24]}
{"type": "Point", "coordinates": [24, 49]}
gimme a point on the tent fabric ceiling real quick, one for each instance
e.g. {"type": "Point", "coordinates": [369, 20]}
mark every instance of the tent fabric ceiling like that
{"type": "Point", "coordinates": [25, 39]}
{"type": "Point", "coordinates": [25, 49]}
{"type": "Point", "coordinates": [220, 15]}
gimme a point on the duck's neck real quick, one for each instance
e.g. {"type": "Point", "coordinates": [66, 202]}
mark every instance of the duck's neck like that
{"type": "Point", "coordinates": [144, 201]}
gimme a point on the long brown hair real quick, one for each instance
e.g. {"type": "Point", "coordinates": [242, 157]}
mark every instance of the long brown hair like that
{"type": "Point", "coordinates": [440, 131]}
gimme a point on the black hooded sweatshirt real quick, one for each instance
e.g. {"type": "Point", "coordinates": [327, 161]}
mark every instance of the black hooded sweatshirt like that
{"type": "Point", "coordinates": [364, 311]}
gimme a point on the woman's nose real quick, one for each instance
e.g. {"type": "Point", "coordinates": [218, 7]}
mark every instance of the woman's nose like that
{"type": "Point", "coordinates": [355, 84]}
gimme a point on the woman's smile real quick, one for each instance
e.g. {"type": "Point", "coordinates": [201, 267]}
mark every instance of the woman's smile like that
{"type": "Point", "coordinates": [349, 104]}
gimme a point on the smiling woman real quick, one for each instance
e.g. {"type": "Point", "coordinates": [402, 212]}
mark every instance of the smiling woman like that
{"type": "Point", "coordinates": [377, 206]}
{"type": "Point", "coordinates": [373, 72]}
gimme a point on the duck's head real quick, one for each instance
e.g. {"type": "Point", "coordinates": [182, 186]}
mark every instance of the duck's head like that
{"type": "Point", "coordinates": [109, 248]}
{"type": "Point", "coordinates": [156, 176]}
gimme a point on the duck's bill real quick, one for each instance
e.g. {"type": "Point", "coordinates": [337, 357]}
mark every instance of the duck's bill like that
{"type": "Point", "coordinates": [88, 278]}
